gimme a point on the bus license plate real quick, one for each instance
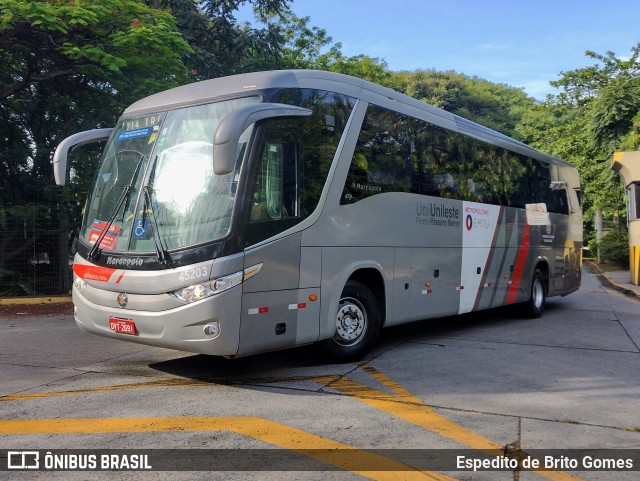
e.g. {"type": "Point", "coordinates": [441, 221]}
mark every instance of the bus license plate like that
{"type": "Point", "coordinates": [122, 326]}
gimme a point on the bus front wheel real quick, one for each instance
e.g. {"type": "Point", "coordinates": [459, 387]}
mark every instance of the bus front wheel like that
{"type": "Point", "coordinates": [535, 306]}
{"type": "Point", "coordinates": [357, 324]}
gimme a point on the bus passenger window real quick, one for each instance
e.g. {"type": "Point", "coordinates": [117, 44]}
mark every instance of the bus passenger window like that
{"type": "Point", "coordinates": [383, 160]}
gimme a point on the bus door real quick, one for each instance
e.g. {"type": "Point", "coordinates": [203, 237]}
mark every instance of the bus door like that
{"type": "Point", "coordinates": [276, 312]}
{"type": "Point", "coordinates": [268, 319]}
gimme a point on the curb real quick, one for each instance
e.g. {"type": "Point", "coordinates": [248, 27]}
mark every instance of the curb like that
{"type": "Point", "coordinates": [602, 275]}
{"type": "Point", "coordinates": [34, 300]}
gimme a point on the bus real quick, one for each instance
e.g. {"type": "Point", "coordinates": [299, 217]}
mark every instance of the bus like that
{"type": "Point", "coordinates": [269, 210]}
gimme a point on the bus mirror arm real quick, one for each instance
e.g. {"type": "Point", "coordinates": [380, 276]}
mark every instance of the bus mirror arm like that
{"type": "Point", "coordinates": [227, 135]}
{"type": "Point", "coordinates": [61, 155]}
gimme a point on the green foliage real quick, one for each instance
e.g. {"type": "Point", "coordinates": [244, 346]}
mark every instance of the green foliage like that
{"type": "Point", "coordinates": [221, 46]}
{"type": "Point", "coordinates": [12, 284]}
{"type": "Point", "coordinates": [631, 141]}
{"type": "Point", "coordinates": [595, 114]}
{"type": "Point", "coordinates": [613, 110]}
{"type": "Point", "coordinates": [368, 68]}
{"type": "Point", "coordinates": [73, 65]}
{"type": "Point", "coordinates": [614, 247]}
{"type": "Point", "coordinates": [303, 46]}
{"type": "Point", "coordinates": [69, 66]}
{"type": "Point", "coordinates": [99, 38]}
{"type": "Point", "coordinates": [496, 106]}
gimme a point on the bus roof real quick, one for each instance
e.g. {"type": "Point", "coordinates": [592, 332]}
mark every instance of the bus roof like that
{"type": "Point", "coordinates": [244, 84]}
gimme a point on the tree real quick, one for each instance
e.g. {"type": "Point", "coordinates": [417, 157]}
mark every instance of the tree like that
{"type": "Point", "coordinates": [220, 45]}
{"type": "Point", "coordinates": [99, 39]}
{"type": "Point", "coordinates": [68, 66]}
{"type": "Point", "coordinates": [595, 114]}
{"type": "Point", "coordinates": [71, 65]}
{"type": "Point", "coordinates": [303, 46]}
{"type": "Point", "coordinates": [64, 56]}
{"type": "Point", "coordinates": [496, 106]}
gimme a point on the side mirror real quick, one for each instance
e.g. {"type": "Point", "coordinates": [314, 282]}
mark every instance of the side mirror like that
{"type": "Point", "coordinates": [61, 155]}
{"type": "Point", "coordinates": [227, 135]}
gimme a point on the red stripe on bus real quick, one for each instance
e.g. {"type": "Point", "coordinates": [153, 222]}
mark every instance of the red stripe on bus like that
{"type": "Point", "coordinates": [518, 269]}
{"type": "Point", "coordinates": [93, 273]}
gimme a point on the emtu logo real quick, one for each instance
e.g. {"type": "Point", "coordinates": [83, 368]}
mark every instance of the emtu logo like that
{"type": "Point", "coordinates": [469, 222]}
{"type": "Point", "coordinates": [23, 459]}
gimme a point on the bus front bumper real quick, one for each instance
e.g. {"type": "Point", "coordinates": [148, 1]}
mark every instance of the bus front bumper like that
{"type": "Point", "coordinates": [181, 328]}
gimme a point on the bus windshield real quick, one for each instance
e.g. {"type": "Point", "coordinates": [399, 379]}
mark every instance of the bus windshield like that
{"type": "Point", "coordinates": [172, 153]}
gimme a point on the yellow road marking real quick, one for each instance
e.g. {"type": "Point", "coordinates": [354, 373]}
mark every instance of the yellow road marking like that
{"type": "Point", "coordinates": [34, 300]}
{"type": "Point", "coordinates": [330, 452]}
{"type": "Point", "coordinates": [117, 387]}
{"type": "Point", "coordinates": [401, 404]}
{"type": "Point", "coordinates": [413, 410]}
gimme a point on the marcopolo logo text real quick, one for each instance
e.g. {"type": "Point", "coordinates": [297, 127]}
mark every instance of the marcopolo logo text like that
{"type": "Point", "coordinates": [124, 262]}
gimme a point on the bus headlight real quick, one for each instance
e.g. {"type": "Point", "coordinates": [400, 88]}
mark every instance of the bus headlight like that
{"type": "Point", "coordinates": [201, 291]}
{"type": "Point", "coordinates": [216, 286]}
{"type": "Point", "coordinates": [192, 293]}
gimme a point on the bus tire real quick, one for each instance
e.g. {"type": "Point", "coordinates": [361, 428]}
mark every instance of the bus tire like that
{"type": "Point", "coordinates": [534, 308]}
{"type": "Point", "coordinates": [358, 323]}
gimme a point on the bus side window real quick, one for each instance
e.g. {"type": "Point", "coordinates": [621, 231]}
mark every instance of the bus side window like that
{"type": "Point", "coordinates": [579, 196]}
{"type": "Point", "coordinates": [384, 157]}
{"type": "Point", "coordinates": [559, 202]}
{"type": "Point", "coordinates": [276, 195]}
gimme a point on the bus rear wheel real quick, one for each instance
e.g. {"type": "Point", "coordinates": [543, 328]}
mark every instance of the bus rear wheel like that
{"type": "Point", "coordinates": [357, 323]}
{"type": "Point", "coordinates": [534, 308]}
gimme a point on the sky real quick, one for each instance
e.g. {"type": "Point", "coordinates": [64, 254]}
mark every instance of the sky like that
{"type": "Point", "coordinates": [522, 43]}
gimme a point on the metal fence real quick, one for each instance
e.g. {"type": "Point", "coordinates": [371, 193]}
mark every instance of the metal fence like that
{"type": "Point", "coordinates": [37, 244]}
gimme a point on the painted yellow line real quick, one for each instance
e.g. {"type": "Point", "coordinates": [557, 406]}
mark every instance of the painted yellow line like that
{"type": "Point", "coordinates": [11, 301]}
{"type": "Point", "coordinates": [169, 383]}
{"type": "Point", "coordinates": [117, 387]}
{"type": "Point", "coordinates": [401, 403]}
{"type": "Point", "coordinates": [164, 383]}
{"type": "Point", "coordinates": [405, 405]}
{"type": "Point", "coordinates": [416, 412]}
{"type": "Point", "coordinates": [330, 452]}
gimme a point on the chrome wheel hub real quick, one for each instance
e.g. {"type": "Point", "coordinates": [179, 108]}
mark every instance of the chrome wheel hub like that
{"type": "Point", "coordinates": [351, 322]}
{"type": "Point", "coordinates": [537, 293]}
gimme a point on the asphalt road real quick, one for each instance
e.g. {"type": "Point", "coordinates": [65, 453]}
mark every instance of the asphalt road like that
{"type": "Point", "coordinates": [467, 385]}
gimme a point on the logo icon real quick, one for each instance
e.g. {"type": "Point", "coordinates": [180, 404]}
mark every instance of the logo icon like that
{"type": "Point", "coordinates": [141, 227]}
{"type": "Point", "coordinates": [122, 299]}
{"type": "Point", "coordinates": [23, 460]}
{"type": "Point", "coordinates": [469, 222]}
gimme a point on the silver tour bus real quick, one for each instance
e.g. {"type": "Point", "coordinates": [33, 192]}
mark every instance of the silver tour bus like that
{"type": "Point", "coordinates": [275, 209]}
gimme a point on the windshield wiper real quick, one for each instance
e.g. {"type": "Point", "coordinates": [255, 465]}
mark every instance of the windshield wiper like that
{"type": "Point", "coordinates": [161, 253]}
{"type": "Point", "coordinates": [95, 251]}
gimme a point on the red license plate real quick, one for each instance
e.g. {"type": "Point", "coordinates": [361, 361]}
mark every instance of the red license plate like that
{"type": "Point", "coordinates": [122, 326]}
